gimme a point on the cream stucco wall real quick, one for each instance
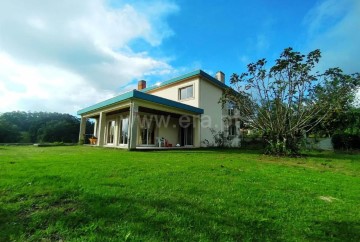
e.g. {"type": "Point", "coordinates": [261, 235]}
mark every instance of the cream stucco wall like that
{"type": "Point", "coordinates": [170, 132]}
{"type": "Point", "coordinates": [206, 96]}
{"type": "Point", "coordinates": [212, 118]}
{"type": "Point", "coordinates": [172, 92]}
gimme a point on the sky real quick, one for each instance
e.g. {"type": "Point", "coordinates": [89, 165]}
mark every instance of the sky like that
{"type": "Point", "coordinates": [62, 56]}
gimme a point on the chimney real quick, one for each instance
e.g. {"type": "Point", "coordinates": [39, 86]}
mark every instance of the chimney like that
{"type": "Point", "coordinates": [141, 85]}
{"type": "Point", "coordinates": [220, 76]}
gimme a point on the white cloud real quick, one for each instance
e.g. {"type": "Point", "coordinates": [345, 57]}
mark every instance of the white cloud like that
{"type": "Point", "coordinates": [64, 55]}
{"type": "Point", "coordinates": [334, 28]}
{"type": "Point", "coordinates": [28, 87]}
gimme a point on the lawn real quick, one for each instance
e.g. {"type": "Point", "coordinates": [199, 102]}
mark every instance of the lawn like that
{"type": "Point", "coordinates": [98, 194]}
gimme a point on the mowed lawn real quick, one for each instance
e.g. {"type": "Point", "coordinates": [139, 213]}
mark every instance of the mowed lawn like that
{"type": "Point", "coordinates": [98, 194]}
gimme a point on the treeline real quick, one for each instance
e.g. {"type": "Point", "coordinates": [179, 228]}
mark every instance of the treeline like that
{"type": "Point", "coordinates": [35, 127]}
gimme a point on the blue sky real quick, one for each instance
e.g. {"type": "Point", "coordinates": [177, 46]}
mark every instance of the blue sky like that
{"type": "Point", "coordinates": [61, 56]}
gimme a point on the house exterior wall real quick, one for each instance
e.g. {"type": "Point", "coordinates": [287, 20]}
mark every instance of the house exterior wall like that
{"type": "Point", "coordinates": [172, 92]}
{"type": "Point", "coordinates": [209, 101]}
{"type": "Point", "coordinates": [206, 96]}
{"type": "Point", "coordinates": [171, 132]}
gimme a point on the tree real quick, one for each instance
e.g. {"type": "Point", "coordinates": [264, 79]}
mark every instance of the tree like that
{"type": "Point", "coordinates": [344, 116]}
{"type": "Point", "coordinates": [40, 127]}
{"type": "Point", "coordinates": [9, 133]}
{"type": "Point", "coordinates": [289, 99]}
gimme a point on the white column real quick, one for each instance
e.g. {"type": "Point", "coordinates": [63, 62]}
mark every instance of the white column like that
{"type": "Point", "coordinates": [96, 128]}
{"type": "Point", "coordinates": [82, 129]}
{"type": "Point", "coordinates": [101, 133]}
{"type": "Point", "coordinates": [133, 127]}
{"type": "Point", "coordinates": [197, 128]}
{"type": "Point", "coordinates": [116, 131]}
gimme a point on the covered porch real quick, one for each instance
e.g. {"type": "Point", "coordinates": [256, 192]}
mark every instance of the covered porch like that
{"type": "Point", "coordinates": [144, 121]}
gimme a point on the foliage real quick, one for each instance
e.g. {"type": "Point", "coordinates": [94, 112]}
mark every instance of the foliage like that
{"type": "Point", "coordinates": [344, 116]}
{"type": "Point", "coordinates": [288, 100]}
{"type": "Point", "coordinates": [221, 140]}
{"type": "Point", "coordinates": [82, 193]}
{"type": "Point", "coordinates": [41, 127]}
{"type": "Point", "coordinates": [9, 132]}
{"type": "Point", "coordinates": [346, 141]}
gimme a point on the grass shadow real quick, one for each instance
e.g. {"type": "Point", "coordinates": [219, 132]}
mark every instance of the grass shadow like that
{"type": "Point", "coordinates": [336, 230]}
{"type": "Point", "coordinates": [138, 218]}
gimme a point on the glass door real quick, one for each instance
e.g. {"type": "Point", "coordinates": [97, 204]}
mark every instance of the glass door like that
{"type": "Point", "coordinates": [148, 133]}
{"type": "Point", "coordinates": [124, 131]}
{"type": "Point", "coordinates": [186, 135]}
{"type": "Point", "coordinates": [110, 132]}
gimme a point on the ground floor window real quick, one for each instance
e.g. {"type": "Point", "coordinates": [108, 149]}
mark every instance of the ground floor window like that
{"type": "Point", "coordinates": [110, 132]}
{"type": "Point", "coordinates": [124, 131]}
{"type": "Point", "coordinates": [232, 128]}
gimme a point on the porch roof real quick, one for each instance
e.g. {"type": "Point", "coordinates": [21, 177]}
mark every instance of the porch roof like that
{"type": "Point", "coordinates": [134, 94]}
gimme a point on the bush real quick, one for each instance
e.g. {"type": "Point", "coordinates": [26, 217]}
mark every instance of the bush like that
{"type": "Point", "coordinates": [346, 141]}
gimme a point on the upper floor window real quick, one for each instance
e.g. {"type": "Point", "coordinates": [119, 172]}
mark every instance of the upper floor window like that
{"type": "Point", "coordinates": [186, 92]}
{"type": "Point", "coordinates": [231, 109]}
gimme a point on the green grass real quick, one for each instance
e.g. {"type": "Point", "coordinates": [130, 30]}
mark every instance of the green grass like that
{"type": "Point", "coordinates": [97, 194]}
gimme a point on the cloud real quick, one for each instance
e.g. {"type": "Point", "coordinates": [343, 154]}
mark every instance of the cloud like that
{"type": "Point", "coordinates": [64, 55]}
{"type": "Point", "coordinates": [334, 28]}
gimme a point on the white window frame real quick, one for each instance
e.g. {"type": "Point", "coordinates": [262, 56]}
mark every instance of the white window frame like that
{"type": "Point", "coordinates": [188, 97]}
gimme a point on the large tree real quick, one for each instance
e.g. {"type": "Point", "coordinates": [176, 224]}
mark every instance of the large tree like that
{"type": "Point", "coordinates": [289, 99]}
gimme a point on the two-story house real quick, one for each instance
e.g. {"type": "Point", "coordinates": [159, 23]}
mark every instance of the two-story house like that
{"type": "Point", "coordinates": [180, 112]}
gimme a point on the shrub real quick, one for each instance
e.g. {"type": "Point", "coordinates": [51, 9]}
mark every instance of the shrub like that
{"type": "Point", "coordinates": [346, 141]}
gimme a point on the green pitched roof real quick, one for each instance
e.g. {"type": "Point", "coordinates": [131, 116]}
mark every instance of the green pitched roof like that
{"type": "Point", "coordinates": [188, 75]}
{"type": "Point", "coordinates": [152, 98]}
{"type": "Point", "coordinates": [134, 94]}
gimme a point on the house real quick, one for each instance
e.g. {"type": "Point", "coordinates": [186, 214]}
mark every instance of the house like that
{"type": "Point", "coordinates": [181, 112]}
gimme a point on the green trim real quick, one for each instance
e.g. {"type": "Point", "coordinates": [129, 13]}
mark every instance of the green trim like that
{"type": "Point", "coordinates": [106, 103]}
{"type": "Point", "coordinates": [141, 96]}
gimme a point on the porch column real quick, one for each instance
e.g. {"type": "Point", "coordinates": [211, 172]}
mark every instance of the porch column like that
{"type": "Point", "coordinates": [133, 127]}
{"type": "Point", "coordinates": [101, 132]}
{"type": "Point", "coordinates": [96, 122]}
{"type": "Point", "coordinates": [116, 131]}
{"type": "Point", "coordinates": [197, 128]}
{"type": "Point", "coordinates": [82, 129]}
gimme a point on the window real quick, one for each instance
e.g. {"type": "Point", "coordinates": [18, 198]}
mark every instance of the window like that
{"type": "Point", "coordinates": [186, 92]}
{"type": "Point", "coordinates": [124, 132]}
{"type": "Point", "coordinates": [110, 132]}
{"type": "Point", "coordinates": [231, 108]}
{"type": "Point", "coordinates": [232, 128]}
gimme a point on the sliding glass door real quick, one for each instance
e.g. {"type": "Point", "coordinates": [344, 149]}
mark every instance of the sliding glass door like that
{"type": "Point", "coordinates": [124, 131]}
{"type": "Point", "coordinates": [147, 132]}
{"type": "Point", "coordinates": [186, 135]}
{"type": "Point", "coordinates": [110, 132]}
